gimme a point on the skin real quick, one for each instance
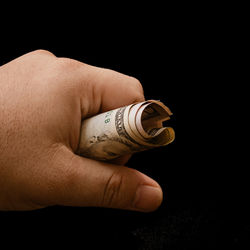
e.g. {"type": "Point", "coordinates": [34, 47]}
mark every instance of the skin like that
{"type": "Point", "coordinates": [43, 99]}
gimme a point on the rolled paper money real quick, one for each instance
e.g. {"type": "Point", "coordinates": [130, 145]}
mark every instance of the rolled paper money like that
{"type": "Point", "coordinates": [125, 130]}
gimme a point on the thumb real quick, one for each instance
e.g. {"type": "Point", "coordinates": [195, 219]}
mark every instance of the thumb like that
{"type": "Point", "coordinates": [92, 183]}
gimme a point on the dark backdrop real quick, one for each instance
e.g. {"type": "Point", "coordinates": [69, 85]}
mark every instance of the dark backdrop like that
{"type": "Point", "coordinates": [174, 60]}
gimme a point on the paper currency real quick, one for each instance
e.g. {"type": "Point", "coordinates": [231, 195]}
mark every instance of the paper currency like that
{"type": "Point", "coordinates": [125, 130]}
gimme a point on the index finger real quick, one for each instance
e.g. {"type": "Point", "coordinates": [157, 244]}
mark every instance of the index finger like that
{"type": "Point", "coordinates": [103, 89]}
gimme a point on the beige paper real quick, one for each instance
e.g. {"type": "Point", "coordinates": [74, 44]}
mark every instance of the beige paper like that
{"type": "Point", "coordinates": [125, 130]}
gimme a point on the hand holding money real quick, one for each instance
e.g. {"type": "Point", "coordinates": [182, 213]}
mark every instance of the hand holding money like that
{"type": "Point", "coordinates": [125, 130]}
{"type": "Point", "coordinates": [44, 99]}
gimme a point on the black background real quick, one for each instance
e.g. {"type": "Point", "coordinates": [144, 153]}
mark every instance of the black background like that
{"type": "Point", "coordinates": [174, 57]}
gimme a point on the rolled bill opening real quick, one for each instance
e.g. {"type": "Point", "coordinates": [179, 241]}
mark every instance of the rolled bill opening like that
{"type": "Point", "coordinates": [152, 122]}
{"type": "Point", "coordinates": [149, 120]}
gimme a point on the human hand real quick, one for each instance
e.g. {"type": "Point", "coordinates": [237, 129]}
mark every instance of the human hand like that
{"type": "Point", "coordinates": [43, 99]}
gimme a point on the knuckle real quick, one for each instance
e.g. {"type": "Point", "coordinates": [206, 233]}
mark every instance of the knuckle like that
{"type": "Point", "coordinates": [112, 190]}
{"type": "Point", "coordinates": [139, 97]}
{"type": "Point", "coordinates": [137, 84]}
{"type": "Point", "coordinates": [42, 52]}
{"type": "Point", "coordinates": [138, 89]}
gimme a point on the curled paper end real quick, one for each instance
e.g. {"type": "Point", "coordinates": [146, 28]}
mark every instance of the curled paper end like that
{"type": "Point", "coordinates": [126, 130]}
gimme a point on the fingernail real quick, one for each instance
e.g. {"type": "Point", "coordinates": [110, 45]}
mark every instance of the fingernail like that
{"type": "Point", "coordinates": [147, 198]}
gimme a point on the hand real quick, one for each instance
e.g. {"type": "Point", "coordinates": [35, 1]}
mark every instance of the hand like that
{"type": "Point", "coordinates": [42, 102]}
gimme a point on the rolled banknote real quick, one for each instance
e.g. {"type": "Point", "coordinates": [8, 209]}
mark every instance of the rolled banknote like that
{"type": "Point", "coordinates": [125, 130]}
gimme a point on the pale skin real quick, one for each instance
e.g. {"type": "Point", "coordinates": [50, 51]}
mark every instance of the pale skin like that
{"type": "Point", "coordinates": [43, 100]}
